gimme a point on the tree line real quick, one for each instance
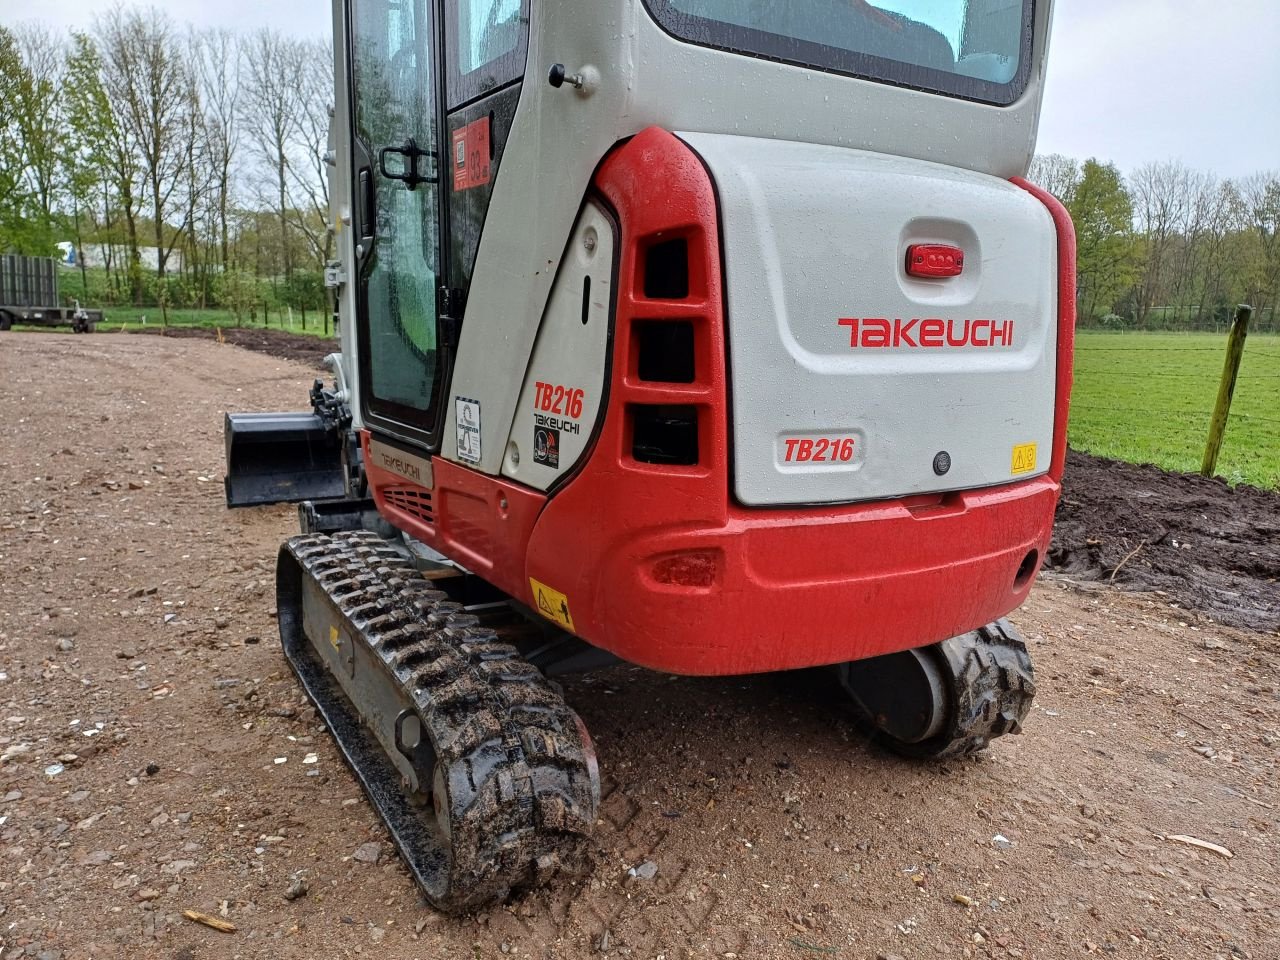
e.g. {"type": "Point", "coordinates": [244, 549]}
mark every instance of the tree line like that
{"type": "Point", "coordinates": [205, 149]}
{"type": "Point", "coordinates": [190, 163]}
{"type": "Point", "coordinates": [1169, 247]}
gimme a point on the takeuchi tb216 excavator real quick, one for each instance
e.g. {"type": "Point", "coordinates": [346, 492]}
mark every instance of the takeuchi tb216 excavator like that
{"type": "Point", "coordinates": [714, 336]}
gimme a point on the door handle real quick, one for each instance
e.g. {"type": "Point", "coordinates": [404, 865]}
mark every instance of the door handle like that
{"type": "Point", "coordinates": [368, 219]}
{"type": "Point", "coordinates": [408, 171]}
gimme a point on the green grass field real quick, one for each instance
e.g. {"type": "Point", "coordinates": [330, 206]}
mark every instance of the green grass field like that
{"type": "Point", "coordinates": [1148, 398]}
{"type": "Point", "coordinates": [130, 318]}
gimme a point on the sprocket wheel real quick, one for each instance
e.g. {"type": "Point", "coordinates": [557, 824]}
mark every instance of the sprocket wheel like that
{"type": "Point", "coordinates": [946, 700]}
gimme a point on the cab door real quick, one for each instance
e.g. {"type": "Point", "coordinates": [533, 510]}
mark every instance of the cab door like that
{"type": "Point", "coordinates": [434, 86]}
{"type": "Point", "coordinates": [396, 122]}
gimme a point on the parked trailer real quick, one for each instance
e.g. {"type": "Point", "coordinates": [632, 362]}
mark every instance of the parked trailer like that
{"type": "Point", "coordinates": [29, 294]}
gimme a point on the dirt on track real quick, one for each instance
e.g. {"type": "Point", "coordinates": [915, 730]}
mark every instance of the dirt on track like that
{"type": "Point", "coordinates": [156, 748]}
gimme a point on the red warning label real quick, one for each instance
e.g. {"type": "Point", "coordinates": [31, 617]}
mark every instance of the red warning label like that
{"type": "Point", "coordinates": [471, 155]}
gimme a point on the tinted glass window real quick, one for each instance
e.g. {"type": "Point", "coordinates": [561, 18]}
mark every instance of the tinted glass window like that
{"type": "Point", "coordinates": [489, 40]}
{"type": "Point", "coordinates": [977, 49]}
{"type": "Point", "coordinates": [394, 100]}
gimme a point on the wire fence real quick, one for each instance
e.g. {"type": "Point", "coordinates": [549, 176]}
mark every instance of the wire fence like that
{"type": "Point", "coordinates": [1150, 397]}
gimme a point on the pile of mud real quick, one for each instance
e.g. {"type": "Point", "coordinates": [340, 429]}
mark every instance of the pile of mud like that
{"type": "Point", "coordinates": [1208, 546]}
{"type": "Point", "coordinates": [305, 348]}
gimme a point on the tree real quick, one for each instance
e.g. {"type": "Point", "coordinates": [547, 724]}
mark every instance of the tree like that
{"type": "Point", "coordinates": [145, 78]}
{"type": "Point", "coordinates": [1103, 215]}
{"type": "Point", "coordinates": [12, 77]}
{"type": "Point", "coordinates": [1161, 194]}
{"type": "Point", "coordinates": [310, 175]}
{"type": "Point", "coordinates": [273, 76]}
{"type": "Point", "coordinates": [1055, 173]}
{"type": "Point", "coordinates": [216, 62]}
{"type": "Point", "coordinates": [40, 126]}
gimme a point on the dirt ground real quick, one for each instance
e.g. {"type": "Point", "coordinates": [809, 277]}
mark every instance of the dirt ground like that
{"type": "Point", "coordinates": [308, 349]}
{"type": "Point", "coordinates": [1198, 541]}
{"type": "Point", "coordinates": [157, 756]}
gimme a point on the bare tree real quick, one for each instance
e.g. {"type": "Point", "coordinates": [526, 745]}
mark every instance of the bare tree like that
{"type": "Point", "coordinates": [40, 113]}
{"type": "Point", "coordinates": [145, 78]}
{"type": "Point", "coordinates": [216, 61]}
{"type": "Point", "coordinates": [310, 174]}
{"type": "Point", "coordinates": [1160, 199]}
{"type": "Point", "coordinates": [1199, 192]}
{"type": "Point", "coordinates": [1225, 219]}
{"type": "Point", "coordinates": [1058, 174]}
{"type": "Point", "coordinates": [273, 73]}
{"type": "Point", "coordinates": [1260, 195]}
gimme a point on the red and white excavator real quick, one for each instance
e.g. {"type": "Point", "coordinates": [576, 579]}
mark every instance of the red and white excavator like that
{"type": "Point", "coordinates": [715, 336]}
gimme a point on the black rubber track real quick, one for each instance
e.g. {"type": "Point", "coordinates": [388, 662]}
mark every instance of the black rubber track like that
{"type": "Point", "coordinates": [520, 787]}
{"type": "Point", "coordinates": [990, 684]}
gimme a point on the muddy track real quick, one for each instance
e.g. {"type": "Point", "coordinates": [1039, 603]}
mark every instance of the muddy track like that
{"type": "Point", "coordinates": [158, 755]}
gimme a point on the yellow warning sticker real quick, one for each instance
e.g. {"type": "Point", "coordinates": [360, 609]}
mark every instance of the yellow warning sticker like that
{"type": "Point", "coordinates": [552, 604]}
{"type": "Point", "coordinates": [335, 639]}
{"type": "Point", "coordinates": [1024, 458]}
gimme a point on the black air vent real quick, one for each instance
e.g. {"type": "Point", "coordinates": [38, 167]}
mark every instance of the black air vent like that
{"type": "Point", "coordinates": [666, 270]}
{"type": "Point", "coordinates": [666, 434]}
{"type": "Point", "coordinates": [666, 351]}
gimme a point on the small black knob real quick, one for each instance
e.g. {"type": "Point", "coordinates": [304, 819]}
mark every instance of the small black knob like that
{"type": "Point", "coordinates": [557, 75]}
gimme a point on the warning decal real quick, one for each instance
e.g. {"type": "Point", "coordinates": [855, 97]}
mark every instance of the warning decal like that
{"type": "Point", "coordinates": [468, 417]}
{"type": "Point", "coordinates": [552, 604]}
{"type": "Point", "coordinates": [471, 155]}
{"type": "Point", "coordinates": [546, 447]}
{"type": "Point", "coordinates": [1024, 458]}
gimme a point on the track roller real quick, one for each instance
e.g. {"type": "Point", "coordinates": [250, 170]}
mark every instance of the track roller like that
{"type": "Point", "coordinates": [948, 699]}
{"type": "Point", "coordinates": [486, 779]}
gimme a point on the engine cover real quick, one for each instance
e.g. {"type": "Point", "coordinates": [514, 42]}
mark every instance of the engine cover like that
{"type": "Point", "coordinates": [850, 378]}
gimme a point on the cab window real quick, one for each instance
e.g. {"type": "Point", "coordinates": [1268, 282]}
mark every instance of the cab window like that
{"type": "Point", "coordinates": [975, 49]}
{"type": "Point", "coordinates": [490, 40]}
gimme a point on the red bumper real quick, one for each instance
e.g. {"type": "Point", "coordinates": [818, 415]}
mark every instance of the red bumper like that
{"type": "Point", "coordinates": [781, 590]}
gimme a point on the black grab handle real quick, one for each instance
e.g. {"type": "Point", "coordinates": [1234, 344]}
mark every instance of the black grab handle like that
{"type": "Point", "coordinates": [411, 153]}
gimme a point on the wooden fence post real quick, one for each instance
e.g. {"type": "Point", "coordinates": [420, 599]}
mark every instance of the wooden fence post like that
{"type": "Point", "coordinates": [1230, 368]}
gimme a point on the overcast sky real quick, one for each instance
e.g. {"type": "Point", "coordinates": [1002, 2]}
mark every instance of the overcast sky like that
{"type": "Point", "coordinates": [1129, 80]}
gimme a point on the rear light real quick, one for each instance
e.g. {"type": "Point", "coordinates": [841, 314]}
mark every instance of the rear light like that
{"type": "Point", "coordinates": [692, 568]}
{"type": "Point", "coordinates": [934, 260]}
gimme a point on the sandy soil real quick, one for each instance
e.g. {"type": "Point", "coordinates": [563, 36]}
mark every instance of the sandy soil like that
{"type": "Point", "coordinates": [155, 748]}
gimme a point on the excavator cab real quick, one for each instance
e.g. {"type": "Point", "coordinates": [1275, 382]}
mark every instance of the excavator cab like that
{"type": "Point", "coordinates": [715, 337]}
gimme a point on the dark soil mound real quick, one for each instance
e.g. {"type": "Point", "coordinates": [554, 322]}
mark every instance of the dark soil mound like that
{"type": "Point", "coordinates": [1210, 547]}
{"type": "Point", "coordinates": [275, 343]}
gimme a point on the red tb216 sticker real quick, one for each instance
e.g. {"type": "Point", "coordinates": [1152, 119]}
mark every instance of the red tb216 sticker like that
{"type": "Point", "coordinates": [553, 398]}
{"type": "Point", "coordinates": [820, 450]}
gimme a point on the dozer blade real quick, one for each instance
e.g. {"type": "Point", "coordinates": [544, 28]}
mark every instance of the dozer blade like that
{"type": "Point", "coordinates": [485, 778]}
{"type": "Point", "coordinates": [281, 458]}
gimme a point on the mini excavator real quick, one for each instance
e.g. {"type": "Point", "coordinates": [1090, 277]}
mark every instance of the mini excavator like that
{"type": "Point", "coordinates": [714, 336]}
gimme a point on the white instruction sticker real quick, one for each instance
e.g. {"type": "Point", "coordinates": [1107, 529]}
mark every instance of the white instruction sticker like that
{"type": "Point", "coordinates": [468, 415]}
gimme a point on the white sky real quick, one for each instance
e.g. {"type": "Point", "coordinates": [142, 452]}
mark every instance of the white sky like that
{"type": "Point", "coordinates": [1129, 80]}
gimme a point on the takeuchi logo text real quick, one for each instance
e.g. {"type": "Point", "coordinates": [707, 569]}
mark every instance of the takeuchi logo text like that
{"type": "Point", "coordinates": [929, 333]}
